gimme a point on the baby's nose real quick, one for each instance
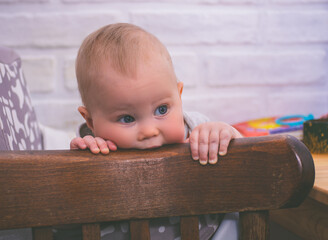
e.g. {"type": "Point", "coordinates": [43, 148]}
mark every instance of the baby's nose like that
{"type": "Point", "coordinates": [147, 132]}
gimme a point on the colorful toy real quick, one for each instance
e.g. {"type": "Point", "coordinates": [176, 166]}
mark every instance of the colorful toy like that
{"type": "Point", "coordinates": [291, 124]}
{"type": "Point", "coordinates": [294, 120]}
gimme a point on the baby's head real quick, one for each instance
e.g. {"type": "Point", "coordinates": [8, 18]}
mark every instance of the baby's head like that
{"type": "Point", "coordinates": [129, 89]}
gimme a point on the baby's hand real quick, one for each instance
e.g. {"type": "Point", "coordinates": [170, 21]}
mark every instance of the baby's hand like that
{"type": "Point", "coordinates": [95, 144]}
{"type": "Point", "coordinates": [207, 139]}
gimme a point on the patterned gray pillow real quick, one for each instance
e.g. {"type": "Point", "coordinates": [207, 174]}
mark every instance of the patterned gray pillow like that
{"type": "Point", "coordinates": [19, 129]}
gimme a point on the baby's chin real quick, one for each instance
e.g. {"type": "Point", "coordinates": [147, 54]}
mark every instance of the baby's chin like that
{"type": "Point", "coordinates": [160, 145]}
{"type": "Point", "coordinates": [141, 146]}
{"type": "Point", "coordinates": [150, 146]}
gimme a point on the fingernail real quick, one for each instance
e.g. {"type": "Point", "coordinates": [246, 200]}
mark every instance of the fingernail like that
{"type": "Point", "coordinates": [105, 151]}
{"type": "Point", "coordinates": [222, 153]}
{"type": "Point", "coordinates": [203, 162]}
{"type": "Point", "coordinates": [195, 158]}
{"type": "Point", "coordinates": [212, 161]}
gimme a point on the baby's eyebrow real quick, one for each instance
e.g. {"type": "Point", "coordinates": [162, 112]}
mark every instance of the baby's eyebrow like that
{"type": "Point", "coordinates": [121, 112]}
{"type": "Point", "coordinates": [121, 107]}
{"type": "Point", "coordinates": [162, 100]}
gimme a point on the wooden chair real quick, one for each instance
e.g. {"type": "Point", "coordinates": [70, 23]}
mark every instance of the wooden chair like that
{"type": "Point", "coordinates": [40, 189]}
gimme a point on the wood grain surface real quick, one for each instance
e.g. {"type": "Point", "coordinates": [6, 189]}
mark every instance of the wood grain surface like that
{"type": "Point", "coordinates": [91, 231]}
{"type": "Point", "coordinates": [42, 233]}
{"type": "Point", "coordinates": [189, 228]}
{"type": "Point", "coordinates": [320, 188]}
{"type": "Point", "coordinates": [254, 225]}
{"type": "Point", "coordinates": [310, 219]}
{"type": "Point", "coordinates": [139, 229]}
{"type": "Point", "coordinates": [44, 188]}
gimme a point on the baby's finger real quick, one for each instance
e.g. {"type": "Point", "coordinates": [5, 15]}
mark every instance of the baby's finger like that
{"type": "Point", "coordinates": [92, 144]}
{"type": "Point", "coordinates": [77, 143]}
{"type": "Point", "coordinates": [203, 146]}
{"type": "Point", "coordinates": [194, 144]}
{"type": "Point", "coordinates": [112, 146]}
{"type": "Point", "coordinates": [236, 134]}
{"type": "Point", "coordinates": [102, 145]}
{"type": "Point", "coordinates": [213, 147]}
{"type": "Point", "coordinates": [225, 137]}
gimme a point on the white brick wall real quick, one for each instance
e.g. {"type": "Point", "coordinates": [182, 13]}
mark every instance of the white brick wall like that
{"type": "Point", "coordinates": [40, 73]}
{"type": "Point", "coordinates": [239, 59]}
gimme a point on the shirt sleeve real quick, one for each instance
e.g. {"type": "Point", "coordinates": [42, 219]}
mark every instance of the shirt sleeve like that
{"type": "Point", "coordinates": [193, 119]}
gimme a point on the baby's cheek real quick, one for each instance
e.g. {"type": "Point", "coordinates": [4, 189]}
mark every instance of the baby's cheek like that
{"type": "Point", "coordinates": [121, 137]}
{"type": "Point", "coordinates": [175, 133]}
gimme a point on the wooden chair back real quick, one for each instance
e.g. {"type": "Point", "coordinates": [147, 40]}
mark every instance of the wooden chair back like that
{"type": "Point", "coordinates": [41, 189]}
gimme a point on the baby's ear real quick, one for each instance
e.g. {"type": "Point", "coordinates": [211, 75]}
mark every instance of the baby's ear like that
{"type": "Point", "coordinates": [180, 88]}
{"type": "Point", "coordinates": [86, 115]}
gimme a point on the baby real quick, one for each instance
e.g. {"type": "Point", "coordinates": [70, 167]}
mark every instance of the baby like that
{"type": "Point", "coordinates": [132, 99]}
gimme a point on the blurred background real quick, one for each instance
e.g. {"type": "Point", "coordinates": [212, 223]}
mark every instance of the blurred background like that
{"type": "Point", "coordinates": [239, 59]}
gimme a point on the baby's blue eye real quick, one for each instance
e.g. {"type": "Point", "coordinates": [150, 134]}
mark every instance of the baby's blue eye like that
{"type": "Point", "coordinates": [126, 119]}
{"type": "Point", "coordinates": [161, 110]}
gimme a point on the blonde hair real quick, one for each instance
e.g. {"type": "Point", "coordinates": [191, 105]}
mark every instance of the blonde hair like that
{"type": "Point", "coordinates": [122, 45]}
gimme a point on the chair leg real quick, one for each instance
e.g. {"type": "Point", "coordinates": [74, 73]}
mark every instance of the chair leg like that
{"type": "Point", "coordinates": [189, 228]}
{"type": "Point", "coordinates": [139, 229]}
{"type": "Point", "coordinates": [254, 225]}
{"type": "Point", "coordinates": [91, 231]}
{"type": "Point", "coordinates": [42, 233]}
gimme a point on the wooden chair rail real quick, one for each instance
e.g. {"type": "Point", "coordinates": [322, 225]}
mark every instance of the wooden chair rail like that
{"type": "Point", "coordinates": [47, 188]}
